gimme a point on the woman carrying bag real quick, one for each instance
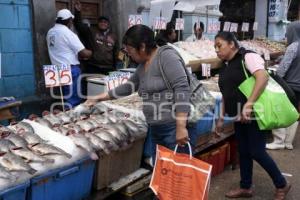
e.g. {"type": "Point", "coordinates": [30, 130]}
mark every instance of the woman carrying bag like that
{"type": "Point", "coordinates": [251, 140]}
{"type": "Point", "coordinates": [166, 112]}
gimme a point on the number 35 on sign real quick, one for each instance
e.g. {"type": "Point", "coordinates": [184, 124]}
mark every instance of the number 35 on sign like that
{"type": "Point", "coordinates": [57, 75]}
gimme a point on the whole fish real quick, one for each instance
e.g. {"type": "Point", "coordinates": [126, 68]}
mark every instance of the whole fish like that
{"type": "Point", "coordinates": [66, 119]}
{"type": "Point", "coordinates": [100, 119]}
{"type": "Point", "coordinates": [4, 131]}
{"type": "Point", "coordinates": [17, 140]}
{"type": "Point", "coordinates": [108, 138]}
{"type": "Point", "coordinates": [6, 145]}
{"type": "Point", "coordinates": [39, 120]}
{"type": "Point", "coordinates": [116, 133]}
{"type": "Point", "coordinates": [63, 130]}
{"type": "Point", "coordinates": [98, 142]}
{"type": "Point", "coordinates": [4, 174]}
{"type": "Point", "coordinates": [29, 156]}
{"type": "Point", "coordinates": [86, 125]}
{"type": "Point", "coordinates": [15, 163]}
{"type": "Point", "coordinates": [75, 127]}
{"type": "Point", "coordinates": [82, 110]}
{"type": "Point", "coordinates": [47, 149]}
{"type": "Point", "coordinates": [54, 121]}
{"type": "Point", "coordinates": [82, 142]}
{"type": "Point", "coordinates": [21, 127]}
{"type": "Point", "coordinates": [32, 138]}
{"type": "Point", "coordinates": [99, 108]}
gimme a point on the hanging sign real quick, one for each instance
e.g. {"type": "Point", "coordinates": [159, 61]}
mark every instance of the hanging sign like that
{"type": "Point", "coordinates": [245, 27]}
{"type": "Point", "coordinates": [274, 10]}
{"type": "Point", "coordinates": [255, 26]}
{"type": "Point", "coordinates": [213, 26]}
{"type": "Point", "coordinates": [206, 68]}
{"type": "Point", "coordinates": [134, 20]}
{"type": "Point", "coordinates": [160, 23]}
{"type": "Point", "coordinates": [234, 27]}
{"type": "Point", "coordinates": [57, 75]}
{"type": "Point", "coordinates": [179, 24]}
{"type": "Point", "coordinates": [226, 26]}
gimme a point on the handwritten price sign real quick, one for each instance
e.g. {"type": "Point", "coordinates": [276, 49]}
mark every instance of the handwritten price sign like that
{"type": "Point", "coordinates": [116, 79]}
{"type": "Point", "coordinates": [213, 26]}
{"type": "Point", "coordinates": [234, 27]}
{"type": "Point", "coordinates": [134, 20]}
{"type": "Point", "coordinates": [255, 26]}
{"type": "Point", "coordinates": [160, 23]}
{"type": "Point", "coordinates": [226, 26]}
{"type": "Point", "coordinates": [179, 24]}
{"type": "Point", "coordinates": [57, 75]}
{"type": "Point", "coordinates": [245, 27]}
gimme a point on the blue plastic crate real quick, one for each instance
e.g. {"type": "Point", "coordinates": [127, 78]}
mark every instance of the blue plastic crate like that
{"type": "Point", "coordinates": [17, 192]}
{"type": "Point", "coordinates": [73, 182]}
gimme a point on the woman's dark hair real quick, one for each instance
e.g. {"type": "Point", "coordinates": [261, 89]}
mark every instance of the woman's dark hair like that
{"type": "Point", "coordinates": [136, 35]}
{"type": "Point", "coordinates": [229, 37]}
{"type": "Point", "coordinates": [201, 25]}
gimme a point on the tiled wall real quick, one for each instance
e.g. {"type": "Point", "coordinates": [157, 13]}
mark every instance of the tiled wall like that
{"type": "Point", "coordinates": [17, 49]}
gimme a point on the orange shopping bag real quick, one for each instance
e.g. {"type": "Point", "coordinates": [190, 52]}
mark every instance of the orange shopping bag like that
{"type": "Point", "coordinates": [179, 176]}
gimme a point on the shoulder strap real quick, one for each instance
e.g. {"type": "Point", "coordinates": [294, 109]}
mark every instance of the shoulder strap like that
{"type": "Point", "coordinates": [160, 50]}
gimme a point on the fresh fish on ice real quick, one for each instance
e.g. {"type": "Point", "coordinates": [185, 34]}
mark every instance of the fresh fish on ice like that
{"type": "Point", "coordinates": [29, 156]}
{"type": "Point", "coordinates": [47, 149]}
{"type": "Point", "coordinates": [15, 163]}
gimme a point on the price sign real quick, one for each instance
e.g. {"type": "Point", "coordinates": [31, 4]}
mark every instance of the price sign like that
{"type": "Point", "coordinates": [274, 10]}
{"type": "Point", "coordinates": [160, 23]}
{"type": "Point", "coordinates": [179, 24]}
{"type": "Point", "coordinates": [134, 20]}
{"type": "Point", "coordinates": [116, 79]}
{"type": "Point", "coordinates": [206, 68]}
{"type": "Point", "coordinates": [57, 75]}
{"type": "Point", "coordinates": [234, 27]}
{"type": "Point", "coordinates": [267, 55]}
{"type": "Point", "coordinates": [255, 26]}
{"type": "Point", "coordinates": [245, 27]}
{"type": "Point", "coordinates": [226, 26]}
{"type": "Point", "coordinates": [213, 26]}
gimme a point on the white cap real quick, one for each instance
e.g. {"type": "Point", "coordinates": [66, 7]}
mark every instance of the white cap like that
{"type": "Point", "coordinates": [64, 14]}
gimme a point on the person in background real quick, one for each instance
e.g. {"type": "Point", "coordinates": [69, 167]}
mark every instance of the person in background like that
{"type": "Point", "coordinates": [198, 33]}
{"type": "Point", "coordinates": [166, 36]}
{"type": "Point", "coordinates": [65, 48]}
{"type": "Point", "coordinates": [289, 70]}
{"type": "Point", "coordinates": [101, 41]}
{"type": "Point", "coordinates": [166, 113]}
{"type": "Point", "coordinates": [251, 140]}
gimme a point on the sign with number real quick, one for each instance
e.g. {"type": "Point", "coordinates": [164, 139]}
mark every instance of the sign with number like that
{"type": "Point", "coordinates": [274, 10]}
{"type": "Point", "coordinates": [213, 26]}
{"type": "Point", "coordinates": [115, 79]}
{"type": "Point", "coordinates": [234, 27]}
{"type": "Point", "coordinates": [206, 70]}
{"type": "Point", "coordinates": [226, 26]}
{"type": "Point", "coordinates": [57, 75]}
{"type": "Point", "coordinates": [134, 20]}
{"type": "Point", "coordinates": [160, 23]}
{"type": "Point", "coordinates": [179, 24]}
{"type": "Point", "coordinates": [267, 55]}
{"type": "Point", "coordinates": [255, 26]}
{"type": "Point", "coordinates": [245, 27]}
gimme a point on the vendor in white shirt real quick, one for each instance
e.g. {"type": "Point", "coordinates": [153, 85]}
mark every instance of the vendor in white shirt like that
{"type": "Point", "coordinates": [198, 33]}
{"type": "Point", "coordinates": [64, 47]}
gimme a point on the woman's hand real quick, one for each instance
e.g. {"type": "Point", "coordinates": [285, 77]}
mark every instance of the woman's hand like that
{"type": "Point", "coordinates": [182, 136]}
{"type": "Point", "coordinates": [247, 112]}
{"type": "Point", "coordinates": [90, 102]}
{"type": "Point", "coordinates": [219, 126]}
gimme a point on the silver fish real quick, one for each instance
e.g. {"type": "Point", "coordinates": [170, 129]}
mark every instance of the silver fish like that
{"type": "Point", "coordinates": [98, 142]}
{"type": "Point", "coordinates": [43, 122]}
{"type": "Point", "coordinates": [75, 127]}
{"type": "Point", "coordinates": [47, 149]}
{"type": "Point", "coordinates": [15, 163]}
{"type": "Point", "coordinates": [82, 142]}
{"type": "Point", "coordinates": [82, 110]}
{"type": "Point", "coordinates": [6, 145]}
{"type": "Point", "coordinates": [17, 140]}
{"type": "Point", "coordinates": [33, 138]}
{"type": "Point", "coordinates": [4, 174]}
{"type": "Point", "coordinates": [64, 117]}
{"type": "Point", "coordinates": [86, 125]}
{"type": "Point", "coordinates": [108, 138]}
{"type": "Point", "coordinates": [21, 127]}
{"type": "Point", "coordinates": [4, 131]}
{"type": "Point", "coordinates": [54, 121]}
{"type": "Point", "coordinates": [30, 156]}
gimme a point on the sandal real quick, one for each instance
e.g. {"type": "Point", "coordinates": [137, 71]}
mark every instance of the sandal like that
{"type": "Point", "coordinates": [239, 193]}
{"type": "Point", "coordinates": [280, 193]}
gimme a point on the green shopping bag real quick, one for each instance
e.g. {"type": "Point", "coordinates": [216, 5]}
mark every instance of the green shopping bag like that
{"type": "Point", "coordinates": [273, 108]}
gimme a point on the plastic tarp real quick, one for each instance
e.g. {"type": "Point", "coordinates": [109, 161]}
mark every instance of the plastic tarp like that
{"type": "Point", "coordinates": [161, 8]}
{"type": "Point", "coordinates": [191, 5]}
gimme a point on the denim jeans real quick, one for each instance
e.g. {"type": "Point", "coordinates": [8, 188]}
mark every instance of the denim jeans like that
{"type": "Point", "coordinates": [71, 91]}
{"type": "Point", "coordinates": [165, 135]}
{"type": "Point", "coordinates": [252, 146]}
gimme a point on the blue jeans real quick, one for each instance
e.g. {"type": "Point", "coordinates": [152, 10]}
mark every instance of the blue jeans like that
{"type": "Point", "coordinates": [252, 146]}
{"type": "Point", "coordinates": [165, 135]}
{"type": "Point", "coordinates": [71, 91]}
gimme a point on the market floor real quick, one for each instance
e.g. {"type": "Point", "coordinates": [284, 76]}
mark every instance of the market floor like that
{"type": "Point", "coordinates": [287, 160]}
